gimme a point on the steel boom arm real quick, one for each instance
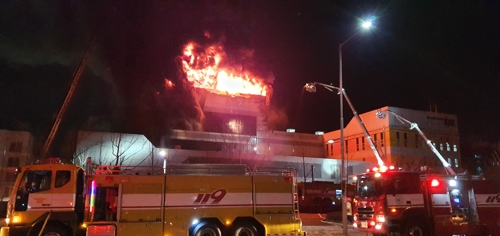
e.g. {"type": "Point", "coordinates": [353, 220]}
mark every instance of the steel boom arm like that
{"type": "Point", "coordinates": [77, 76]}
{"type": "Point", "coordinates": [413, 125]}
{"type": "Point", "coordinates": [368, 137]}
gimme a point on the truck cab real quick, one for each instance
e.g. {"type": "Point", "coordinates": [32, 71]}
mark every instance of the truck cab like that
{"type": "Point", "coordinates": [47, 197]}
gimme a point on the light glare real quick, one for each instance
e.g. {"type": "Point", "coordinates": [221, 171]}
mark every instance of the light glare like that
{"type": "Point", "coordinates": [366, 24]}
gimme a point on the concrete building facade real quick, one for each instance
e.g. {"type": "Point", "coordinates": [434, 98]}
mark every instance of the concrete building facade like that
{"type": "Point", "coordinates": [15, 151]}
{"type": "Point", "coordinates": [397, 142]}
{"type": "Point", "coordinates": [235, 131]}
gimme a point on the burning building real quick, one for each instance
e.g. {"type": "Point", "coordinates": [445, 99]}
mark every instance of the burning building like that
{"type": "Point", "coordinates": [234, 103]}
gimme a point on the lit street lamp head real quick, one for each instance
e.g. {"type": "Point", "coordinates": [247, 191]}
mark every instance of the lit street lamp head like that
{"type": "Point", "coordinates": [310, 87]}
{"type": "Point", "coordinates": [380, 114]}
{"type": "Point", "coordinates": [366, 24]}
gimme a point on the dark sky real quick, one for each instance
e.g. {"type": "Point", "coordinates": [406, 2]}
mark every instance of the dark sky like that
{"type": "Point", "coordinates": [420, 54]}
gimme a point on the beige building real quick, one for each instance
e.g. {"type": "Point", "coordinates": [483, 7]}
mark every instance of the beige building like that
{"type": "Point", "coordinates": [15, 151]}
{"type": "Point", "coordinates": [397, 142]}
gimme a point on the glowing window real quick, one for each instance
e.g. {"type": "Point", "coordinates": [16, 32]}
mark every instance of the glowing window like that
{"type": "Point", "coordinates": [381, 139]}
{"type": "Point", "coordinates": [397, 139]}
{"type": "Point", "coordinates": [346, 147]}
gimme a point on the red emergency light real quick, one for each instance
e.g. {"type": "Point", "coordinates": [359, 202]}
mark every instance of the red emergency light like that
{"type": "Point", "coordinates": [380, 169]}
{"type": "Point", "coordinates": [434, 183]}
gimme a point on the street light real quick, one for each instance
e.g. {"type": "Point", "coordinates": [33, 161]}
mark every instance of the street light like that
{"type": "Point", "coordinates": [365, 25]}
{"type": "Point", "coordinates": [2, 172]}
{"type": "Point", "coordinates": [311, 87]}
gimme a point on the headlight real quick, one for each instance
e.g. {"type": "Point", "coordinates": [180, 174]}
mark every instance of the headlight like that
{"type": "Point", "coordinates": [380, 218]}
{"type": "Point", "coordinates": [16, 219]}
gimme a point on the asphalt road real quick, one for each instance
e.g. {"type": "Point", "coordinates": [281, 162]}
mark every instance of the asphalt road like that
{"type": "Point", "coordinates": [318, 225]}
{"type": "Point", "coordinates": [314, 224]}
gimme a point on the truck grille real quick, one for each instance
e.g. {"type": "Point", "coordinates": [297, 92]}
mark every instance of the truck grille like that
{"type": "Point", "coordinates": [365, 213]}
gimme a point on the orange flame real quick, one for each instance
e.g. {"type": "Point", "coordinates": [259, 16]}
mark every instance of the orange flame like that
{"type": "Point", "coordinates": [203, 68]}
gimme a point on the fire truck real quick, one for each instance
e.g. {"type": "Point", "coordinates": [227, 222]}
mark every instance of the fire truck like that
{"type": "Point", "coordinates": [408, 203]}
{"type": "Point", "coordinates": [394, 202]}
{"type": "Point", "coordinates": [319, 196]}
{"type": "Point", "coordinates": [190, 199]}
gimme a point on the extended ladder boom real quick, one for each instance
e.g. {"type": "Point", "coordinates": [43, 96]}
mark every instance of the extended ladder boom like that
{"type": "Point", "coordinates": [413, 125]}
{"type": "Point", "coordinates": [311, 87]}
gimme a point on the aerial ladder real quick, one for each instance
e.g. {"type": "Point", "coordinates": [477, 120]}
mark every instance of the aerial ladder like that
{"type": "Point", "coordinates": [76, 78]}
{"type": "Point", "coordinates": [382, 114]}
{"type": "Point", "coordinates": [311, 87]}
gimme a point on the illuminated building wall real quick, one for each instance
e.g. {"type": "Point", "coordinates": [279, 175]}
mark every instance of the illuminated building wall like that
{"type": "Point", "coordinates": [396, 143]}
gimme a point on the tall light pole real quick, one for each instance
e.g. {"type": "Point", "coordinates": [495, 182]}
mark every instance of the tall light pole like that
{"type": "Point", "coordinates": [2, 172]}
{"type": "Point", "coordinates": [365, 25]}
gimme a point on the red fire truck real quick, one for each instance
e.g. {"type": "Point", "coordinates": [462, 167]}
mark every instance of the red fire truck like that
{"type": "Point", "coordinates": [408, 203]}
{"type": "Point", "coordinates": [319, 196]}
{"type": "Point", "coordinates": [192, 200]}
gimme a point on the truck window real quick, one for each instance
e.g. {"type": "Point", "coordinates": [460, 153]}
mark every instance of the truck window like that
{"type": "Point", "coordinates": [370, 187]}
{"type": "Point", "coordinates": [62, 178]}
{"type": "Point", "coordinates": [31, 182]}
{"type": "Point", "coordinates": [35, 181]}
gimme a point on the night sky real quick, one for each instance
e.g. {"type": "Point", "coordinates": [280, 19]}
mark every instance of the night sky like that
{"type": "Point", "coordinates": [422, 55]}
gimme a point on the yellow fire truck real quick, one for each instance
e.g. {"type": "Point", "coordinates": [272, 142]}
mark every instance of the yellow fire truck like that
{"type": "Point", "coordinates": [195, 200]}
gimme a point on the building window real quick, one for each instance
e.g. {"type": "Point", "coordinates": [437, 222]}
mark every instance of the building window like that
{"type": "Point", "coordinates": [13, 162]}
{"type": "Point", "coordinates": [10, 177]}
{"type": "Point", "coordinates": [416, 141]}
{"type": "Point", "coordinates": [350, 170]}
{"type": "Point", "coordinates": [363, 143]}
{"type": "Point", "coordinates": [381, 139]}
{"type": "Point", "coordinates": [405, 139]}
{"type": "Point", "coordinates": [448, 147]}
{"type": "Point", "coordinates": [346, 146]}
{"type": "Point", "coordinates": [398, 141]}
{"type": "Point", "coordinates": [441, 146]}
{"type": "Point", "coordinates": [456, 162]}
{"type": "Point", "coordinates": [455, 149]}
{"type": "Point", "coordinates": [357, 144]}
{"type": "Point", "coordinates": [7, 190]}
{"type": "Point", "coordinates": [375, 140]}
{"type": "Point", "coordinates": [326, 150]}
{"type": "Point", "coordinates": [449, 161]}
{"type": "Point", "coordinates": [16, 147]}
{"type": "Point", "coordinates": [331, 149]}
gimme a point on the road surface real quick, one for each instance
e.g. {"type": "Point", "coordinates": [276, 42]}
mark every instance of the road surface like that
{"type": "Point", "coordinates": [318, 225]}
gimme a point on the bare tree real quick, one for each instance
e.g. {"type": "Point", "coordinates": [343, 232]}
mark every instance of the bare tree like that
{"type": "Point", "coordinates": [123, 148]}
{"type": "Point", "coordinates": [82, 150]}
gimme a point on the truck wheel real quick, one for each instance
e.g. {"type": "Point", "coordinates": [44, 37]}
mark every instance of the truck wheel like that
{"type": "Point", "coordinates": [54, 230]}
{"type": "Point", "coordinates": [416, 228]}
{"type": "Point", "coordinates": [207, 230]}
{"type": "Point", "coordinates": [244, 230]}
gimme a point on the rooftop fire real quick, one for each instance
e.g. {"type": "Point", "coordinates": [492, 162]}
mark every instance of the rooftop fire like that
{"type": "Point", "coordinates": [204, 68]}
